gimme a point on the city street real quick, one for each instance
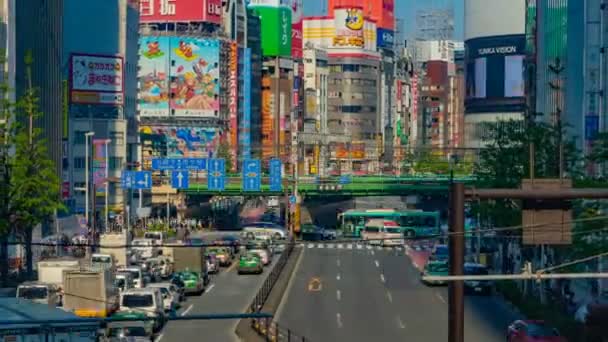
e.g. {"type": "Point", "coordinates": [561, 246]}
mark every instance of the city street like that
{"type": "Point", "coordinates": [376, 294]}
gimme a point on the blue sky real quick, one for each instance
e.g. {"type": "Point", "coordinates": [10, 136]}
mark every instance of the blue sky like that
{"type": "Point", "coordinates": [405, 10]}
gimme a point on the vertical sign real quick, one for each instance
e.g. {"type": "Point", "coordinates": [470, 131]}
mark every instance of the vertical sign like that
{"type": "Point", "coordinates": [275, 175]}
{"type": "Point", "coordinates": [252, 175]}
{"type": "Point", "coordinates": [233, 103]}
{"type": "Point", "coordinates": [216, 175]}
{"type": "Point", "coordinates": [65, 105]}
{"type": "Point", "coordinates": [246, 124]}
{"type": "Point", "coordinates": [99, 165]}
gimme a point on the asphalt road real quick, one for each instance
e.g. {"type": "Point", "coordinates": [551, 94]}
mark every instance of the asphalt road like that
{"type": "Point", "coordinates": [376, 295]}
{"type": "Point", "coordinates": [228, 292]}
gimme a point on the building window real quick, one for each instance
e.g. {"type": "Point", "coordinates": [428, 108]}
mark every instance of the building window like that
{"type": "Point", "coordinates": [350, 68]}
{"type": "Point", "coordinates": [117, 138]}
{"type": "Point", "coordinates": [115, 163]}
{"type": "Point", "coordinates": [79, 163]}
{"type": "Point", "coordinates": [79, 137]}
{"type": "Point", "coordinates": [351, 109]}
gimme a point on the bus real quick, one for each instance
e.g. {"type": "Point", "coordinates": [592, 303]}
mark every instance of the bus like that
{"type": "Point", "coordinates": [413, 223]}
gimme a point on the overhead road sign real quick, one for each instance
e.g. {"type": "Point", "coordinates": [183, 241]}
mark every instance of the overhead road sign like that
{"type": "Point", "coordinates": [164, 164]}
{"type": "Point", "coordinates": [142, 180]}
{"type": "Point", "coordinates": [180, 179]}
{"type": "Point", "coordinates": [252, 175]}
{"type": "Point", "coordinates": [216, 178]}
{"type": "Point", "coordinates": [276, 175]}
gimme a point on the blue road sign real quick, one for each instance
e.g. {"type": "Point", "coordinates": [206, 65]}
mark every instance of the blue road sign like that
{"type": "Point", "coordinates": [216, 177]}
{"type": "Point", "coordinates": [180, 179]}
{"type": "Point", "coordinates": [275, 175]}
{"type": "Point", "coordinates": [163, 164]}
{"type": "Point", "coordinates": [345, 179]}
{"type": "Point", "coordinates": [142, 180]}
{"type": "Point", "coordinates": [252, 175]}
{"type": "Point", "coordinates": [127, 179]}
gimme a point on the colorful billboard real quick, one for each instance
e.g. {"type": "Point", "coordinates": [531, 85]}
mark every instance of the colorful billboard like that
{"type": "Point", "coordinates": [245, 133]}
{"type": "Point", "coordinates": [171, 11]}
{"type": "Point", "coordinates": [194, 77]}
{"type": "Point", "coordinates": [182, 141]}
{"type": "Point", "coordinates": [96, 79]}
{"type": "Point", "coordinates": [99, 165]}
{"type": "Point", "coordinates": [296, 29]}
{"type": "Point", "coordinates": [233, 100]}
{"type": "Point", "coordinates": [276, 30]}
{"type": "Point", "coordinates": [153, 76]}
{"type": "Point", "coordinates": [267, 118]}
{"type": "Point", "coordinates": [349, 28]}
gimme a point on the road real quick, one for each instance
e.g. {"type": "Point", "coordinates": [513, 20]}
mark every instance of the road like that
{"type": "Point", "coordinates": [228, 292]}
{"type": "Point", "coordinates": [376, 295]}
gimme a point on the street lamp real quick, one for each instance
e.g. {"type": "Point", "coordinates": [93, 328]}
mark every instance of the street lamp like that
{"type": "Point", "coordinates": [86, 175]}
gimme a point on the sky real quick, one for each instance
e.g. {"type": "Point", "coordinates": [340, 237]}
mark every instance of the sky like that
{"type": "Point", "coordinates": [405, 10]}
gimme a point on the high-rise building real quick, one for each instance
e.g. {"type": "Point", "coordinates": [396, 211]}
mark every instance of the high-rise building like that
{"type": "Point", "coordinates": [435, 24]}
{"type": "Point", "coordinates": [434, 104]}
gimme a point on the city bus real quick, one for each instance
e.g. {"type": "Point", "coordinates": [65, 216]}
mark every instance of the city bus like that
{"type": "Point", "coordinates": [412, 223]}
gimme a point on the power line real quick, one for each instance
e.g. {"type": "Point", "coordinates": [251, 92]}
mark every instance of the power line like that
{"type": "Point", "coordinates": [571, 263]}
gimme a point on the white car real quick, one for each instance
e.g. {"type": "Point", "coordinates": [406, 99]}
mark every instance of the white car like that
{"type": "Point", "coordinates": [164, 264]}
{"type": "Point", "coordinates": [146, 247]}
{"type": "Point", "coordinates": [264, 255]}
{"type": "Point", "coordinates": [169, 294]}
{"type": "Point", "coordinates": [138, 275]}
{"type": "Point", "coordinates": [148, 301]}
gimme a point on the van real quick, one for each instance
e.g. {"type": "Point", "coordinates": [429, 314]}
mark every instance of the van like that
{"type": "Point", "coordinates": [146, 247]}
{"type": "Point", "coordinates": [124, 281]}
{"type": "Point", "coordinates": [147, 300]}
{"type": "Point", "coordinates": [138, 275]}
{"type": "Point", "coordinates": [41, 293]}
{"type": "Point", "coordinates": [158, 238]}
{"type": "Point", "coordinates": [102, 261]}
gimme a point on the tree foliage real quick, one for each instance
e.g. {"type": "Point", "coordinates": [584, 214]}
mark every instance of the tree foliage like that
{"type": "Point", "coordinates": [224, 152]}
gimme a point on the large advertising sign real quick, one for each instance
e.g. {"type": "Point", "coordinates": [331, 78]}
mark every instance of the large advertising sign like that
{"type": "Point", "coordinates": [99, 165]}
{"type": "Point", "coordinates": [296, 29]}
{"type": "Point", "coordinates": [276, 30]}
{"type": "Point", "coordinates": [233, 99]}
{"type": "Point", "coordinates": [194, 77]}
{"type": "Point", "coordinates": [96, 79]}
{"type": "Point", "coordinates": [183, 141]}
{"type": "Point", "coordinates": [153, 76]}
{"type": "Point", "coordinates": [385, 38]}
{"type": "Point", "coordinates": [349, 28]}
{"type": "Point", "coordinates": [267, 118]}
{"type": "Point", "coordinates": [414, 113]}
{"type": "Point", "coordinates": [495, 74]}
{"type": "Point", "coordinates": [245, 134]}
{"type": "Point", "coordinates": [171, 11]}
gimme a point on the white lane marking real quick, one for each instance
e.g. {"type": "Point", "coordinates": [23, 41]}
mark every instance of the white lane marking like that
{"type": "Point", "coordinates": [311, 245]}
{"type": "Point", "coordinates": [338, 276]}
{"type": "Point", "coordinates": [338, 295]}
{"type": "Point", "coordinates": [400, 323]}
{"type": "Point", "coordinates": [187, 310]}
{"type": "Point", "coordinates": [339, 320]}
{"type": "Point", "coordinates": [368, 247]}
{"type": "Point", "coordinates": [210, 288]}
{"type": "Point", "coordinates": [331, 245]}
{"type": "Point", "coordinates": [379, 248]}
{"type": "Point", "coordinates": [389, 296]}
{"type": "Point", "coordinates": [382, 278]}
{"type": "Point", "coordinates": [338, 262]}
{"type": "Point", "coordinates": [320, 245]}
{"type": "Point", "coordinates": [372, 251]}
{"type": "Point", "coordinates": [359, 246]}
{"type": "Point", "coordinates": [340, 246]}
{"type": "Point", "coordinates": [349, 246]}
{"type": "Point", "coordinates": [440, 297]}
{"type": "Point", "coordinates": [377, 263]}
{"type": "Point", "coordinates": [158, 338]}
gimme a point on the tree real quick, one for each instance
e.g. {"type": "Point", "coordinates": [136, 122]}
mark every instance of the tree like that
{"type": "Point", "coordinates": [224, 151]}
{"type": "Point", "coordinates": [6, 113]}
{"type": "Point", "coordinates": [34, 182]}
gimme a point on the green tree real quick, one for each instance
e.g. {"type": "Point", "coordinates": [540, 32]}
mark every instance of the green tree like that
{"type": "Point", "coordinates": [6, 113]}
{"type": "Point", "coordinates": [224, 151]}
{"type": "Point", "coordinates": [33, 181]}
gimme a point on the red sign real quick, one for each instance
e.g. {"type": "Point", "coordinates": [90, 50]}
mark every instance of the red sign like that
{"type": "Point", "coordinates": [163, 11]}
{"type": "Point", "coordinates": [296, 29]}
{"type": "Point", "coordinates": [233, 102]}
{"type": "Point", "coordinates": [65, 190]}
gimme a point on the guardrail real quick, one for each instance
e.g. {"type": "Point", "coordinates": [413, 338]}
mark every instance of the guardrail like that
{"type": "Point", "coordinates": [273, 332]}
{"type": "Point", "coordinates": [264, 292]}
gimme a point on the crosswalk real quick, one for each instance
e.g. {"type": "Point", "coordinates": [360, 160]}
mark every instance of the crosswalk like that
{"type": "Point", "coordinates": [351, 246]}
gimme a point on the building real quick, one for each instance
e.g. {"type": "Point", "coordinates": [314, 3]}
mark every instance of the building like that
{"type": "Point", "coordinates": [103, 108]}
{"type": "Point", "coordinates": [433, 50]}
{"type": "Point", "coordinates": [456, 101]}
{"type": "Point", "coordinates": [494, 62]}
{"type": "Point", "coordinates": [404, 72]}
{"type": "Point", "coordinates": [41, 37]}
{"type": "Point", "coordinates": [382, 12]}
{"type": "Point", "coordinates": [435, 24]}
{"type": "Point", "coordinates": [434, 102]}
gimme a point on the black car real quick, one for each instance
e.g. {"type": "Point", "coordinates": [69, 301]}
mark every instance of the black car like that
{"type": "Point", "coordinates": [483, 287]}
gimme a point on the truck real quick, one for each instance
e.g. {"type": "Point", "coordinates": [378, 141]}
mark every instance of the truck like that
{"type": "Point", "coordinates": [111, 243]}
{"type": "Point", "coordinates": [51, 271]}
{"type": "Point", "coordinates": [90, 293]}
{"type": "Point", "coordinates": [191, 259]}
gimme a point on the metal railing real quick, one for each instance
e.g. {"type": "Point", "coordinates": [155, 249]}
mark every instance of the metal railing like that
{"type": "Point", "coordinates": [264, 292]}
{"type": "Point", "coordinates": [272, 331]}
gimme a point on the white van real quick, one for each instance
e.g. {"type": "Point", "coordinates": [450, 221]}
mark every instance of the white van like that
{"type": "Point", "coordinates": [146, 247]}
{"type": "Point", "coordinates": [158, 238]}
{"type": "Point", "coordinates": [124, 281]}
{"type": "Point", "coordinates": [138, 275]}
{"type": "Point", "coordinates": [148, 301]}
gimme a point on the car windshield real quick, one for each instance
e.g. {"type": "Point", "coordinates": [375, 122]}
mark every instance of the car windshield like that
{"type": "Point", "coordinates": [119, 282]}
{"type": "Point", "coordinates": [164, 291]}
{"type": "Point", "coordinates": [155, 236]}
{"type": "Point", "coordinates": [137, 300]}
{"type": "Point", "coordinates": [33, 292]}
{"type": "Point", "coordinates": [128, 331]}
{"type": "Point", "coordinates": [101, 259]}
{"type": "Point", "coordinates": [393, 230]}
{"type": "Point", "coordinates": [142, 243]}
{"type": "Point", "coordinates": [540, 330]}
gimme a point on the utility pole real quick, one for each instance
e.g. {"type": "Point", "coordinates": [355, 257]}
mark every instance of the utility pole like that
{"type": "Point", "coordinates": [456, 249]}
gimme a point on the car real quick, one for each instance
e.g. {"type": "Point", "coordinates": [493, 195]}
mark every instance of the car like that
{"type": "Point", "coordinates": [151, 268]}
{"type": "Point", "coordinates": [311, 232]}
{"type": "Point", "coordinates": [147, 247]}
{"type": "Point", "coordinates": [146, 300]}
{"type": "Point", "coordinates": [196, 242]}
{"type": "Point", "coordinates": [532, 331]}
{"type": "Point", "coordinates": [180, 287]}
{"type": "Point", "coordinates": [232, 241]}
{"type": "Point", "coordinates": [440, 253]}
{"type": "Point", "coordinates": [164, 265]}
{"type": "Point", "coordinates": [435, 268]}
{"type": "Point", "coordinates": [193, 282]}
{"type": "Point", "coordinates": [170, 298]}
{"type": "Point", "coordinates": [477, 286]}
{"type": "Point", "coordinates": [262, 254]}
{"type": "Point", "coordinates": [222, 254]}
{"type": "Point", "coordinates": [137, 273]}
{"type": "Point", "coordinates": [329, 234]}
{"type": "Point", "coordinates": [250, 263]}
{"type": "Point", "coordinates": [134, 328]}
{"type": "Point", "coordinates": [213, 264]}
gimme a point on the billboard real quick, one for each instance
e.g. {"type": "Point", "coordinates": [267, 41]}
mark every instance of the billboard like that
{"type": "Point", "coordinates": [153, 76]}
{"type": "Point", "coordinates": [182, 141]}
{"type": "Point", "coordinates": [385, 38]}
{"type": "Point", "coordinates": [495, 74]}
{"type": "Point", "coordinates": [349, 28]}
{"type": "Point", "coordinates": [276, 30]}
{"type": "Point", "coordinates": [296, 29]}
{"type": "Point", "coordinates": [171, 11]}
{"type": "Point", "coordinates": [268, 103]}
{"type": "Point", "coordinates": [194, 77]}
{"type": "Point", "coordinates": [96, 79]}
{"type": "Point", "coordinates": [233, 99]}
{"type": "Point", "coordinates": [99, 165]}
{"type": "Point", "coordinates": [245, 133]}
